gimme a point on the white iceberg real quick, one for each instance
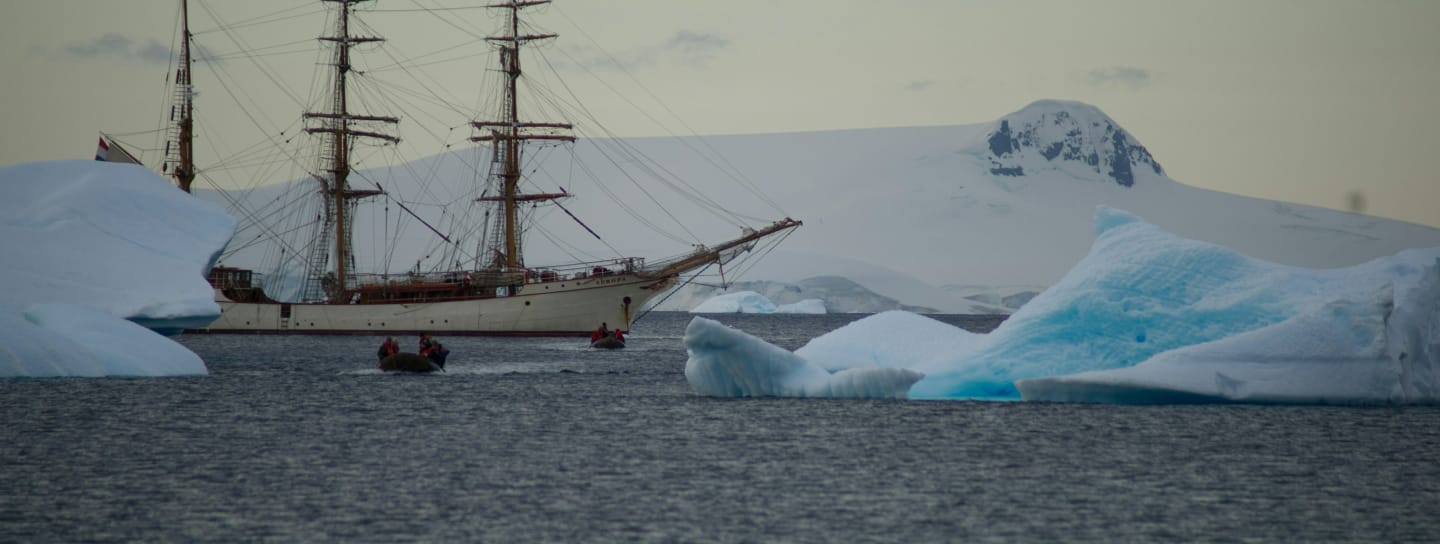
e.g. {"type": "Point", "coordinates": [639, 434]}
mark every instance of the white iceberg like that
{"type": "Point", "coordinates": [81, 341]}
{"type": "Point", "coordinates": [725, 362]}
{"type": "Point", "coordinates": [807, 306]}
{"type": "Point", "coordinates": [89, 245]}
{"type": "Point", "coordinates": [1151, 317]}
{"type": "Point", "coordinates": [750, 302]}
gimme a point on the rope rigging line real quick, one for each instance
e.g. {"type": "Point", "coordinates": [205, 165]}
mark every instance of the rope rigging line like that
{"type": "Point", "coordinates": [626, 206]}
{"type": "Point", "coordinates": [692, 193]}
{"type": "Point", "coordinates": [448, 20]}
{"type": "Point", "coordinates": [231, 198]}
{"type": "Point", "coordinates": [688, 191]}
{"type": "Point", "coordinates": [733, 172]}
{"type": "Point", "coordinates": [639, 186]}
{"type": "Point", "coordinates": [245, 48]}
{"type": "Point", "coordinates": [281, 15]}
{"type": "Point", "coordinates": [667, 296]}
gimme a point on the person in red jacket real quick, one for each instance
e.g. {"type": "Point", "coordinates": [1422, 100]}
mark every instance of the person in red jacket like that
{"type": "Point", "coordinates": [432, 350]}
{"type": "Point", "coordinates": [388, 347]}
{"type": "Point", "coordinates": [599, 333]}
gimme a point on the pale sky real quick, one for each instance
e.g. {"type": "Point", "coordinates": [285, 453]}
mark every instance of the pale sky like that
{"type": "Point", "coordinates": [1303, 101]}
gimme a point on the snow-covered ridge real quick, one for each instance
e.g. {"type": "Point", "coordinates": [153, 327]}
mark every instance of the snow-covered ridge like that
{"type": "Point", "coordinates": [1073, 137]}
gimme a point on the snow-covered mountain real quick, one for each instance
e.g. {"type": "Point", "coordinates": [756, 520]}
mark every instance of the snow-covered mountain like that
{"type": "Point", "coordinates": [1011, 202]}
{"type": "Point", "coordinates": [1008, 296]}
{"type": "Point", "coordinates": [898, 211]}
{"type": "Point", "coordinates": [1070, 137]}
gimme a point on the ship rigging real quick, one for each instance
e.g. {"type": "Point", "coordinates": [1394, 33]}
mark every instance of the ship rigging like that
{"type": "Point", "coordinates": [475, 273]}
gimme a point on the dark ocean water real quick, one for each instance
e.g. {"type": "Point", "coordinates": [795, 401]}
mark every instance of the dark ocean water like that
{"type": "Point", "coordinates": [298, 439]}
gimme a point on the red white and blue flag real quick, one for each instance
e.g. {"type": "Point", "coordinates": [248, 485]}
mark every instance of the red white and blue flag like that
{"type": "Point", "coordinates": [110, 151]}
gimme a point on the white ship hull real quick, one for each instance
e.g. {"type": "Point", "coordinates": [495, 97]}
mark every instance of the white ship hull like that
{"type": "Point", "coordinates": [557, 308]}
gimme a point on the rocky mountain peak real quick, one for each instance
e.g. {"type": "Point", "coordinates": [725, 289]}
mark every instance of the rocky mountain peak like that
{"type": "Point", "coordinates": [1071, 136]}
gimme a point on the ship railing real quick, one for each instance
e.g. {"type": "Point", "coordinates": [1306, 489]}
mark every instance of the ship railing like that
{"type": "Point", "coordinates": [224, 277]}
{"type": "Point", "coordinates": [579, 271]}
{"type": "Point", "coordinates": [459, 277]}
{"type": "Point", "coordinates": [543, 274]}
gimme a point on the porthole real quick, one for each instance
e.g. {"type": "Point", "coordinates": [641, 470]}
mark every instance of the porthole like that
{"type": "Point", "coordinates": [527, 303]}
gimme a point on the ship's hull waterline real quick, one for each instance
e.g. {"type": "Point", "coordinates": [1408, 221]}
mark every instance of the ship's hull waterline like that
{"type": "Point", "coordinates": [559, 308]}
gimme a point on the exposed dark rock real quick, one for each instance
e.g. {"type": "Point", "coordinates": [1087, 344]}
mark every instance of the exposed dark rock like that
{"type": "Point", "coordinates": [1000, 142]}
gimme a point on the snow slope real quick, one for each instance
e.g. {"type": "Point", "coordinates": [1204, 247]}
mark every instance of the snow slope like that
{"type": "Point", "coordinates": [896, 210]}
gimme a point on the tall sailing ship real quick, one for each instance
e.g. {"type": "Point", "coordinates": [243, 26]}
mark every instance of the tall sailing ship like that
{"type": "Point", "coordinates": [500, 294]}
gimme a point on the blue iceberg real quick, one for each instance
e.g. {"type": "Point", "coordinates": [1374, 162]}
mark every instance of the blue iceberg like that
{"type": "Point", "coordinates": [1151, 317]}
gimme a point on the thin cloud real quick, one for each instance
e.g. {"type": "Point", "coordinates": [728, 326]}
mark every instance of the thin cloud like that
{"type": "Point", "coordinates": [116, 47]}
{"type": "Point", "coordinates": [692, 49]}
{"type": "Point", "coordinates": [917, 86]}
{"type": "Point", "coordinates": [696, 49]}
{"type": "Point", "coordinates": [589, 58]}
{"type": "Point", "coordinates": [1128, 76]}
{"type": "Point", "coordinates": [113, 46]}
{"type": "Point", "coordinates": [153, 52]}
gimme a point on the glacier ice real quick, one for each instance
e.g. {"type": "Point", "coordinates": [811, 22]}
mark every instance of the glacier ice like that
{"type": "Point", "coordinates": [1360, 348]}
{"type": "Point", "coordinates": [893, 339]}
{"type": "Point", "coordinates": [89, 245]}
{"type": "Point", "coordinates": [750, 302]}
{"type": "Point", "coordinates": [78, 340]}
{"type": "Point", "coordinates": [1150, 317]}
{"type": "Point", "coordinates": [725, 362]}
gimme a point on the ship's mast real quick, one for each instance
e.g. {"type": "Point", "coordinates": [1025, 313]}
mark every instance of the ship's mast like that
{"type": "Point", "coordinates": [179, 151]}
{"type": "Point", "coordinates": [340, 137]}
{"type": "Point", "coordinates": [509, 132]}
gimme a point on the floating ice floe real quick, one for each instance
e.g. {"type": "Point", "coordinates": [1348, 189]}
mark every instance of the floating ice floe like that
{"type": "Point", "coordinates": [1148, 317]}
{"type": "Point", "coordinates": [750, 302]}
{"type": "Point", "coordinates": [97, 256]}
{"type": "Point", "coordinates": [725, 362]}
